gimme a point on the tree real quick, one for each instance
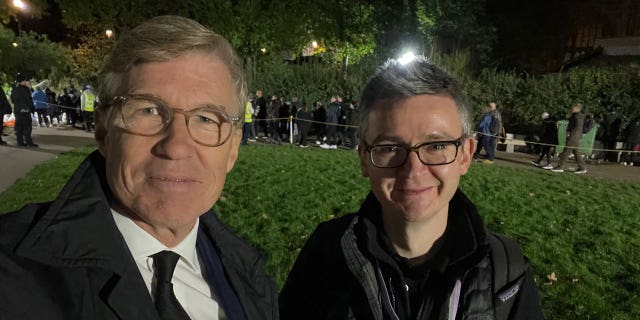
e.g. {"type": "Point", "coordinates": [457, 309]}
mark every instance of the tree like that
{"type": "Point", "coordinates": [34, 54]}
{"type": "Point", "coordinates": [89, 56]}
{"type": "Point", "coordinates": [458, 25]}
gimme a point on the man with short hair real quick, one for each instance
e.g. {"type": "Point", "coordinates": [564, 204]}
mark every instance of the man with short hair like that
{"type": "Point", "coordinates": [417, 248]}
{"type": "Point", "coordinates": [133, 234]}
{"type": "Point", "coordinates": [572, 145]}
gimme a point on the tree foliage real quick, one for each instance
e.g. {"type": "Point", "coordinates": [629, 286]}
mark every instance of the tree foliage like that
{"type": "Point", "coordinates": [33, 54]}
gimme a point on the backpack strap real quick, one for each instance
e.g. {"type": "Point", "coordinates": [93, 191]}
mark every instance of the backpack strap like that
{"type": "Point", "coordinates": [508, 267]}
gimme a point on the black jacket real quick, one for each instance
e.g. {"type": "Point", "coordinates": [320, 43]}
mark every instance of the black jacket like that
{"type": "Point", "coordinates": [549, 131]}
{"type": "Point", "coordinates": [574, 128]}
{"type": "Point", "coordinates": [5, 107]}
{"type": "Point", "coordinates": [66, 259]}
{"type": "Point", "coordinates": [338, 273]}
{"type": "Point", "coordinates": [21, 98]}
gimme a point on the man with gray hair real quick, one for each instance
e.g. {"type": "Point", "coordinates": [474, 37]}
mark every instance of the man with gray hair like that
{"type": "Point", "coordinates": [132, 234]}
{"type": "Point", "coordinates": [417, 248]}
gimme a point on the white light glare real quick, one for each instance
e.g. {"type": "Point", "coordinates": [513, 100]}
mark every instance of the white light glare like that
{"type": "Point", "coordinates": [19, 4]}
{"type": "Point", "coordinates": [406, 58]}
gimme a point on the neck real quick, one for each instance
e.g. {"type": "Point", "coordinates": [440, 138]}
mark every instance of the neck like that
{"type": "Point", "coordinates": [169, 236]}
{"type": "Point", "coordinates": [413, 239]}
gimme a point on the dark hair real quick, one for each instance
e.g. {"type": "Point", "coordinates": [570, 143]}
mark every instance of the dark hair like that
{"type": "Point", "coordinates": [395, 80]}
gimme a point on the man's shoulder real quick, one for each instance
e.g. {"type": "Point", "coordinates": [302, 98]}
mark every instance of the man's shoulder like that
{"type": "Point", "coordinates": [15, 225]}
{"type": "Point", "coordinates": [328, 234]}
{"type": "Point", "coordinates": [336, 226]}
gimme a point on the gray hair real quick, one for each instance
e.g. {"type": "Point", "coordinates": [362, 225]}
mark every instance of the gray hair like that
{"type": "Point", "coordinates": [395, 81]}
{"type": "Point", "coordinates": [161, 39]}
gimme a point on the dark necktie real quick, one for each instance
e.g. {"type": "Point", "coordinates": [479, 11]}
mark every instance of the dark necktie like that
{"type": "Point", "coordinates": [166, 303]}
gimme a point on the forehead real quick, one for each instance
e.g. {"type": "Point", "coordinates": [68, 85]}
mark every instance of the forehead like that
{"type": "Point", "coordinates": [187, 80]}
{"type": "Point", "coordinates": [414, 119]}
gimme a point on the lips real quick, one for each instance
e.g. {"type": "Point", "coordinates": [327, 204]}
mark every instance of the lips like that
{"type": "Point", "coordinates": [173, 183]}
{"type": "Point", "coordinates": [172, 179]}
{"type": "Point", "coordinates": [413, 190]}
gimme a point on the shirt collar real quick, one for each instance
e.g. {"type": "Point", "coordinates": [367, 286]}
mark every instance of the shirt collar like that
{"type": "Point", "coordinates": [143, 245]}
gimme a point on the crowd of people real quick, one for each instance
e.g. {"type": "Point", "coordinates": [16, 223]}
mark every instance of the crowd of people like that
{"type": "Point", "coordinates": [271, 121]}
{"type": "Point", "coordinates": [40, 106]}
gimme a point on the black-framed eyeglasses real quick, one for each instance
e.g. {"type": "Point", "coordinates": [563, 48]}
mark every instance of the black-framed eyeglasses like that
{"type": "Point", "coordinates": [433, 153]}
{"type": "Point", "coordinates": [147, 115]}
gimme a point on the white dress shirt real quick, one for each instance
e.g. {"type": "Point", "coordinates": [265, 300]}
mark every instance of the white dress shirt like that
{"type": "Point", "coordinates": [189, 285]}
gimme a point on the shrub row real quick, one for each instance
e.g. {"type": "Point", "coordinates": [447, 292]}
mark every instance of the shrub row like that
{"type": "Point", "coordinates": [520, 97]}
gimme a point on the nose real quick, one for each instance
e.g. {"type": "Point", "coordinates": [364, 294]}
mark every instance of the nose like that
{"type": "Point", "coordinates": [176, 142]}
{"type": "Point", "coordinates": [413, 165]}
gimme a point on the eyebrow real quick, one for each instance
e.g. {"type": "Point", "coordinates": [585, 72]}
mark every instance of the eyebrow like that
{"type": "Point", "coordinates": [431, 137]}
{"type": "Point", "coordinates": [134, 94]}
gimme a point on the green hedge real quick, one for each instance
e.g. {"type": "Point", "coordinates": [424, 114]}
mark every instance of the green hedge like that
{"type": "Point", "coordinates": [521, 98]}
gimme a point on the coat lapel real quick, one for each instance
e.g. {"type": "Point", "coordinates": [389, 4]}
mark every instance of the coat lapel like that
{"type": "Point", "coordinates": [77, 235]}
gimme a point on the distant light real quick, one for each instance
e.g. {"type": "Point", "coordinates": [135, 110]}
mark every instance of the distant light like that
{"type": "Point", "coordinates": [314, 44]}
{"type": "Point", "coordinates": [19, 4]}
{"type": "Point", "coordinates": [15, 44]}
{"type": "Point", "coordinates": [406, 58]}
{"type": "Point", "coordinates": [263, 50]}
{"type": "Point", "coordinates": [109, 33]}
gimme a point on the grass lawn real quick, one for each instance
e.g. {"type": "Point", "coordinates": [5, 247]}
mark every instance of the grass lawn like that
{"type": "Point", "coordinates": [583, 230]}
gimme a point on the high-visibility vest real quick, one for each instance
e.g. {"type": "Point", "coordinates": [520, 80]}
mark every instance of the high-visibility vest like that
{"type": "Point", "coordinates": [248, 111]}
{"type": "Point", "coordinates": [89, 101]}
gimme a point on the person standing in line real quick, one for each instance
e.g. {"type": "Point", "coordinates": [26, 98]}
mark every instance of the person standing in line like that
{"type": "Point", "coordinates": [549, 138]}
{"type": "Point", "coordinates": [65, 104]}
{"type": "Point", "coordinates": [489, 128]}
{"type": "Point", "coordinates": [303, 119]}
{"type": "Point", "coordinates": [88, 103]}
{"type": "Point", "coordinates": [333, 110]}
{"type": "Point", "coordinates": [320, 125]}
{"type": "Point", "coordinates": [261, 106]}
{"type": "Point", "coordinates": [574, 135]}
{"type": "Point", "coordinates": [351, 120]}
{"type": "Point", "coordinates": [5, 108]}
{"type": "Point", "coordinates": [74, 114]}
{"type": "Point", "coordinates": [54, 109]}
{"type": "Point", "coordinates": [417, 248]}
{"type": "Point", "coordinates": [248, 120]}
{"type": "Point", "coordinates": [23, 109]}
{"type": "Point", "coordinates": [41, 106]}
{"type": "Point", "coordinates": [632, 132]}
{"type": "Point", "coordinates": [133, 234]}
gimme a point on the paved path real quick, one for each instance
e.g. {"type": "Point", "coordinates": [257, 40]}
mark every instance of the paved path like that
{"type": "Point", "coordinates": [15, 162]}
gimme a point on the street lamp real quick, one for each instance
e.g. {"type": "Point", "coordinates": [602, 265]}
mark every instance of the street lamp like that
{"type": "Point", "coordinates": [21, 6]}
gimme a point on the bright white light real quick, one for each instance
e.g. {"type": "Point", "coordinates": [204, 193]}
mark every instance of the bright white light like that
{"type": "Point", "coordinates": [109, 33]}
{"type": "Point", "coordinates": [314, 44]}
{"type": "Point", "coordinates": [263, 50]}
{"type": "Point", "coordinates": [15, 44]}
{"type": "Point", "coordinates": [19, 4]}
{"type": "Point", "coordinates": [406, 58]}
